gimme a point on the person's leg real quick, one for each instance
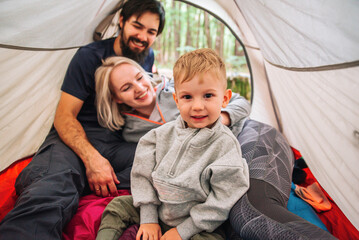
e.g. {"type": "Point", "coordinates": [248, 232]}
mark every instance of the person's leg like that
{"type": "Point", "coordinates": [268, 155]}
{"type": "Point", "coordinates": [217, 234]}
{"type": "Point", "coordinates": [261, 213]}
{"type": "Point", "coordinates": [118, 215]}
{"type": "Point", "coordinates": [130, 233]}
{"type": "Point", "coordinates": [120, 154]}
{"type": "Point", "coordinates": [121, 161]}
{"type": "Point", "coordinates": [49, 189]}
{"type": "Point", "coordinates": [266, 199]}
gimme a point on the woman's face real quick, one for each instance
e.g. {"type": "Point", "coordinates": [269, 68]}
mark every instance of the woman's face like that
{"type": "Point", "coordinates": [133, 88]}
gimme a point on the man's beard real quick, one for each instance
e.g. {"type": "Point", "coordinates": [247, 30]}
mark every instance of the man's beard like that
{"type": "Point", "coordinates": [127, 51]}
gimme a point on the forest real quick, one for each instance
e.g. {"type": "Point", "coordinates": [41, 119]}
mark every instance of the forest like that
{"type": "Point", "coordinates": [188, 28]}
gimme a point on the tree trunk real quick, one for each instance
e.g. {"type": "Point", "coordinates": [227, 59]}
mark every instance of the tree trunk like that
{"type": "Point", "coordinates": [167, 42]}
{"type": "Point", "coordinates": [238, 51]}
{"type": "Point", "coordinates": [199, 24]}
{"type": "Point", "coordinates": [189, 29]}
{"type": "Point", "coordinates": [207, 30]}
{"type": "Point", "coordinates": [219, 39]}
{"type": "Point", "coordinates": [176, 27]}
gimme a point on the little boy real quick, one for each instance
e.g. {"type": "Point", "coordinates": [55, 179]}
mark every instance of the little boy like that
{"type": "Point", "coordinates": [188, 173]}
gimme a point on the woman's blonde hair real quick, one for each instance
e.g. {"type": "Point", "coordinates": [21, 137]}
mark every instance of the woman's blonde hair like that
{"type": "Point", "coordinates": [108, 110]}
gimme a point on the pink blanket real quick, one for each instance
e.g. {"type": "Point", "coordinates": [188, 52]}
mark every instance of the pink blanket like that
{"type": "Point", "coordinates": [86, 222]}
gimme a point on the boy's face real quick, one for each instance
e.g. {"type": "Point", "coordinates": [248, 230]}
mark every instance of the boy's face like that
{"type": "Point", "coordinates": [200, 100]}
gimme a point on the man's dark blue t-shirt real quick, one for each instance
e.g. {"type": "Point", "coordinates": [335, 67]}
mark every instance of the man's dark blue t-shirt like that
{"type": "Point", "coordinates": [80, 76]}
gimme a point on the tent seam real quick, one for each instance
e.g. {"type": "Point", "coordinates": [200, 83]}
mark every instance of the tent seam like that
{"type": "Point", "coordinates": [319, 68]}
{"type": "Point", "coordinates": [36, 49]}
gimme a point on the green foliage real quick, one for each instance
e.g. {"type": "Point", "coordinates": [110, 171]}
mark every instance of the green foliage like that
{"type": "Point", "coordinates": [185, 49]}
{"type": "Point", "coordinates": [240, 85]}
{"type": "Point", "coordinates": [185, 31]}
{"type": "Point", "coordinates": [236, 61]}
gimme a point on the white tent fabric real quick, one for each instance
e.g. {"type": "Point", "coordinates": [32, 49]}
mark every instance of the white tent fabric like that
{"type": "Point", "coordinates": [303, 34]}
{"type": "Point", "coordinates": [51, 24]}
{"type": "Point", "coordinates": [303, 54]}
{"type": "Point", "coordinates": [30, 89]}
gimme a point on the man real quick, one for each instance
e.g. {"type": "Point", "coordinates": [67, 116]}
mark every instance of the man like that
{"type": "Point", "coordinates": [78, 155]}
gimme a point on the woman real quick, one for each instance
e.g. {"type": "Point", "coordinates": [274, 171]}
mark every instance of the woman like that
{"type": "Point", "coordinates": [131, 103]}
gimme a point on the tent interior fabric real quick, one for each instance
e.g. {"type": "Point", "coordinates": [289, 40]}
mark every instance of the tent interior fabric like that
{"type": "Point", "coordinates": [304, 61]}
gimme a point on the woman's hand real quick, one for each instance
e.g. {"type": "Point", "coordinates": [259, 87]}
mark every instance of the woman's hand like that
{"type": "Point", "coordinates": [226, 120]}
{"type": "Point", "coordinates": [149, 231]}
{"type": "Point", "coordinates": [171, 234]}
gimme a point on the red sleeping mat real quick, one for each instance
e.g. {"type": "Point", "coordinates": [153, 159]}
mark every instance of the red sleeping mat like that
{"type": "Point", "coordinates": [85, 223]}
{"type": "Point", "coordinates": [335, 221]}
{"type": "Point", "coordinates": [7, 189]}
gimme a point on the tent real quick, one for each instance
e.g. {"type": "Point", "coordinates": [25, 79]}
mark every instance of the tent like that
{"type": "Point", "coordinates": [303, 56]}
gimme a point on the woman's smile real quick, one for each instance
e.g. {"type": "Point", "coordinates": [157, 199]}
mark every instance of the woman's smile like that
{"type": "Point", "coordinates": [143, 96]}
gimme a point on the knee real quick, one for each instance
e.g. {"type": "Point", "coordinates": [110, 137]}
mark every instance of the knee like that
{"type": "Point", "coordinates": [121, 202]}
{"type": "Point", "coordinates": [121, 207]}
{"type": "Point", "coordinates": [35, 170]}
{"type": "Point", "coordinates": [51, 171]}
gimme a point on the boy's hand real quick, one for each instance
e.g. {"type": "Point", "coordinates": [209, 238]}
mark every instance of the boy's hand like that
{"type": "Point", "coordinates": [149, 231]}
{"type": "Point", "coordinates": [171, 234]}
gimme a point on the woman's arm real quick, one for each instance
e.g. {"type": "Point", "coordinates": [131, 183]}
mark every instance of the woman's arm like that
{"type": "Point", "coordinates": [237, 109]}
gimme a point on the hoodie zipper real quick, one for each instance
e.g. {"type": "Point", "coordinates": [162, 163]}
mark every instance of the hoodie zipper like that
{"type": "Point", "coordinates": [181, 152]}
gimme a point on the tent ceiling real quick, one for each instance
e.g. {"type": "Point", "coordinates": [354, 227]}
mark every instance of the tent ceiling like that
{"type": "Point", "coordinates": [57, 23]}
{"type": "Point", "coordinates": [301, 34]}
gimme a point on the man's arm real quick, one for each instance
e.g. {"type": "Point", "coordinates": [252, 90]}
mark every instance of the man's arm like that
{"type": "Point", "coordinates": [99, 172]}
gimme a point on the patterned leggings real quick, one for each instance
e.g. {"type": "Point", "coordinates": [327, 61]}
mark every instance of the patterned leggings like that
{"type": "Point", "coordinates": [262, 213]}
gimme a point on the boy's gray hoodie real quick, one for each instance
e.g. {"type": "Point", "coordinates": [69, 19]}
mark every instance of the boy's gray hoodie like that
{"type": "Point", "coordinates": [189, 178]}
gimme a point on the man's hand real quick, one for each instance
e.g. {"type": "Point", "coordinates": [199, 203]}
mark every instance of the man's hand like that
{"type": "Point", "coordinates": [101, 176]}
{"type": "Point", "coordinates": [149, 231]}
{"type": "Point", "coordinates": [171, 234]}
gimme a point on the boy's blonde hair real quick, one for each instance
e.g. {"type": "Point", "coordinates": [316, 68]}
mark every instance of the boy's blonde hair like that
{"type": "Point", "coordinates": [199, 61]}
{"type": "Point", "coordinates": [108, 110]}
